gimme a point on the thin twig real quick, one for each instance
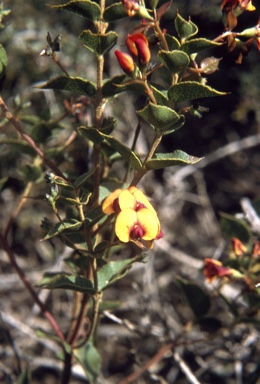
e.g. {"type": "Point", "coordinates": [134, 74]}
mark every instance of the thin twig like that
{"type": "Point", "coordinates": [218, 154]}
{"type": "Point", "coordinates": [17, 125]}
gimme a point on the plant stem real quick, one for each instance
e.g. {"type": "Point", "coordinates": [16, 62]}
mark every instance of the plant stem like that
{"type": "Point", "coordinates": [17, 125]}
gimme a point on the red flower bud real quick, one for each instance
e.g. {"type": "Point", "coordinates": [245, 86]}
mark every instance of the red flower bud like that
{"type": "Point", "coordinates": [126, 62]}
{"type": "Point", "coordinates": [138, 46]}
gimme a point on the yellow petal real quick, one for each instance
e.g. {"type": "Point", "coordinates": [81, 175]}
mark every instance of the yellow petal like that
{"type": "Point", "coordinates": [126, 200]}
{"type": "Point", "coordinates": [107, 206]}
{"type": "Point", "coordinates": [149, 222]}
{"type": "Point", "coordinates": [142, 199]}
{"type": "Point", "coordinates": [125, 222]}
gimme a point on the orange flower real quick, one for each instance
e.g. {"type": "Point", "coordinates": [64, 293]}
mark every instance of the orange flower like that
{"type": "Point", "coordinates": [256, 249]}
{"type": "Point", "coordinates": [238, 247]}
{"type": "Point", "coordinates": [214, 269]}
{"type": "Point", "coordinates": [138, 46]}
{"type": "Point", "coordinates": [126, 62]}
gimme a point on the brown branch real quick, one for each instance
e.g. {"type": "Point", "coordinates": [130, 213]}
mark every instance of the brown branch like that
{"type": "Point", "coordinates": [28, 286]}
{"type": "Point", "coordinates": [17, 125]}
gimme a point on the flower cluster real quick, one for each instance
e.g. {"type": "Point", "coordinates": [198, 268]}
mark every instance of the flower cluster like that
{"type": "Point", "coordinates": [140, 55]}
{"type": "Point", "coordinates": [136, 218]}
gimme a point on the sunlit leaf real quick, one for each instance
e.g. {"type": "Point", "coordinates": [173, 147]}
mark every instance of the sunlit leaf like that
{"type": "Point", "coordinates": [163, 160]}
{"type": "Point", "coordinates": [191, 90]}
{"type": "Point", "coordinates": [197, 45]}
{"type": "Point", "coordinates": [113, 271]}
{"type": "Point", "coordinates": [184, 28]}
{"type": "Point", "coordinates": [160, 117]}
{"type": "Point", "coordinates": [85, 8]}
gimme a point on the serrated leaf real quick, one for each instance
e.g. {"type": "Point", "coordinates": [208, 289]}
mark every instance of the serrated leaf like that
{"type": "Point", "coordinates": [184, 28]}
{"type": "Point", "coordinates": [191, 90]}
{"type": "Point", "coordinates": [90, 360]}
{"type": "Point", "coordinates": [3, 59]}
{"type": "Point", "coordinates": [233, 227]}
{"type": "Point", "coordinates": [97, 43]}
{"type": "Point", "coordinates": [63, 226]}
{"type": "Point", "coordinates": [160, 117]}
{"type": "Point", "coordinates": [114, 12]}
{"type": "Point", "coordinates": [110, 87]}
{"type": "Point", "coordinates": [162, 160]}
{"type": "Point", "coordinates": [84, 8]}
{"type": "Point", "coordinates": [197, 45]}
{"type": "Point", "coordinates": [196, 297]}
{"type": "Point", "coordinates": [129, 156]}
{"type": "Point", "coordinates": [67, 281]}
{"type": "Point", "coordinates": [113, 271]}
{"type": "Point", "coordinates": [175, 61]}
{"type": "Point", "coordinates": [76, 85]}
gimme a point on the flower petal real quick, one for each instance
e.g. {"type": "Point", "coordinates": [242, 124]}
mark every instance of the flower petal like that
{"type": "Point", "coordinates": [108, 203]}
{"type": "Point", "coordinates": [149, 222]}
{"type": "Point", "coordinates": [125, 222]}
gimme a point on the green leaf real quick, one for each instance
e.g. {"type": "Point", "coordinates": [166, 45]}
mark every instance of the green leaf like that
{"type": "Point", "coordinates": [162, 160]}
{"type": "Point", "coordinates": [97, 43]}
{"type": "Point", "coordinates": [110, 87]}
{"type": "Point", "coordinates": [233, 227]}
{"type": "Point", "coordinates": [185, 29]}
{"type": "Point", "coordinates": [129, 156]}
{"type": "Point", "coordinates": [160, 117]}
{"type": "Point", "coordinates": [90, 360]}
{"type": "Point", "coordinates": [66, 281]}
{"type": "Point", "coordinates": [63, 227]}
{"type": "Point", "coordinates": [172, 42]}
{"type": "Point", "coordinates": [176, 61]}
{"type": "Point", "coordinates": [114, 12]}
{"type": "Point", "coordinates": [76, 85]}
{"type": "Point", "coordinates": [197, 45]}
{"type": "Point", "coordinates": [84, 8]}
{"type": "Point", "coordinates": [196, 297]}
{"type": "Point", "coordinates": [191, 90]}
{"type": "Point", "coordinates": [113, 271]}
{"type": "Point", "coordinates": [81, 180]}
{"type": "Point", "coordinates": [160, 95]}
{"type": "Point", "coordinates": [91, 134]}
{"type": "Point", "coordinates": [3, 59]}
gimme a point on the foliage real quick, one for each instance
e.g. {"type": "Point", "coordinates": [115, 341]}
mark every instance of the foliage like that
{"type": "Point", "coordinates": [96, 215]}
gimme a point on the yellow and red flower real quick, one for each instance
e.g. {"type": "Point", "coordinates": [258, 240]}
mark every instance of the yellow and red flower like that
{"type": "Point", "coordinates": [214, 269]}
{"type": "Point", "coordinates": [136, 218]}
